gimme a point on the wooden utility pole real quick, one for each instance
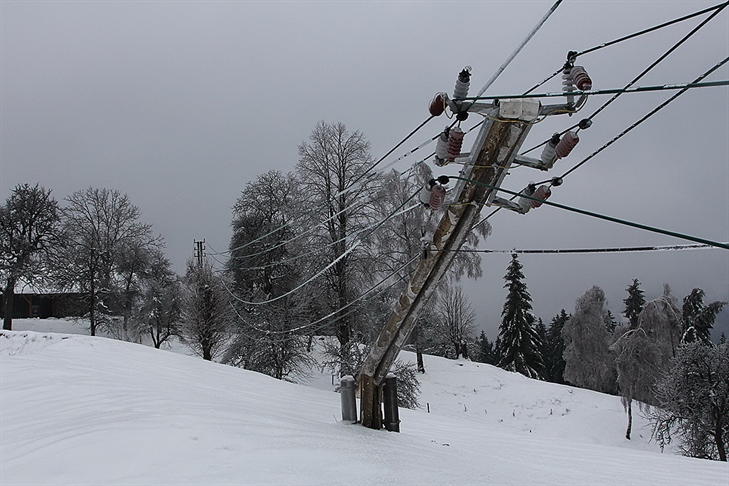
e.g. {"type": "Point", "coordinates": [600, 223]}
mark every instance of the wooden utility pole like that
{"type": "Point", "coordinates": [506, 126]}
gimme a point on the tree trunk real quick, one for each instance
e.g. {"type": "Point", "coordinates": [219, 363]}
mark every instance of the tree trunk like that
{"type": "Point", "coordinates": [630, 419]}
{"type": "Point", "coordinates": [719, 438]}
{"type": "Point", "coordinates": [419, 349]}
{"type": "Point", "coordinates": [9, 296]}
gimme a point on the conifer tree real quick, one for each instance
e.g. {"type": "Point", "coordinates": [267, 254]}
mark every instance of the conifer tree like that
{"type": "Point", "coordinates": [634, 303]}
{"type": "Point", "coordinates": [485, 349]}
{"type": "Point", "coordinates": [520, 343]}
{"type": "Point", "coordinates": [699, 318]}
{"type": "Point", "coordinates": [553, 359]}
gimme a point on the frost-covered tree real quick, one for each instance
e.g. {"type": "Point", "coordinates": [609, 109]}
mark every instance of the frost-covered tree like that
{"type": "Point", "coordinates": [331, 169]}
{"type": "Point", "coordinates": [634, 303]}
{"type": "Point", "coordinates": [158, 316]}
{"type": "Point", "coordinates": [699, 318]}
{"type": "Point", "coordinates": [268, 259]}
{"type": "Point", "coordinates": [263, 246]}
{"type": "Point", "coordinates": [638, 364]}
{"type": "Point", "coordinates": [29, 221]}
{"type": "Point", "coordinates": [643, 353]}
{"type": "Point", "coordinates": [206, 312]}
{"type": "Point", "coordinates": [588, 361]}
{"type": "Point", "coordinates": [519, 339]}
{"type": "Point", "coordinates": [553, 357]}
{"type": "Point", "coordinates": [693, 399]}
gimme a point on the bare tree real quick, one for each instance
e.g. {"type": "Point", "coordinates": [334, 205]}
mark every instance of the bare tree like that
{"type": "Point", "coordinates": [99, 226]}
{"type": "Point", "coordinates": [331, 171]}
{"type": "Point", "coordinates": [456, 318]}
{"type": "Point", "coordinates": [28, 224]}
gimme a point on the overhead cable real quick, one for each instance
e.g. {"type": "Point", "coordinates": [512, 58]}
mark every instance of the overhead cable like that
{"type": "Point", "coordinates": [601, 216]}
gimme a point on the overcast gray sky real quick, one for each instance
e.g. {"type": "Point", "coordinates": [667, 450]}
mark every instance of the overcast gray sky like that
{"type": "Point", "coordinates": [180, 104]}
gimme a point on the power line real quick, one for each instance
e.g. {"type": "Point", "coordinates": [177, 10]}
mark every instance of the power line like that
{"type": "Point", "coordinates": [653, 112]}
{"type": "Point", "coordinates": [651, 29]}
{"type": "Point", "coordinates": [339, 258]}
{"type": "Point", "coordinates": [620, 249]}
{"type": "Point", "coordinates": [661, 58]}
{"type": "Point", "coordinates": [519, 47]}
{"type": "Point", "coordinates": [601, 216]}
{"type": "Point", "coordinates": [637, 89]}
{"type": "Point", "coordinates": [628, 37]}
{"type": "Point", "coordinates": [326, 318]}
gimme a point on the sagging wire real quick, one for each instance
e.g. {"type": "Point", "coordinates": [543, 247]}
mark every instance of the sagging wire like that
{"type": "Point", "coordinates": [339, 258]}
{"type": "Point", "coordinates": [324, 247]}
{"type": "Point", "coordinates": [326, 318]}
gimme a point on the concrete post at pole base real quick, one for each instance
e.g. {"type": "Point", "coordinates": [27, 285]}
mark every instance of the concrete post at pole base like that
{"type": "Point", "coordinates": [349, 401]}
{"type": "Point", "coordinates": [389, 398]}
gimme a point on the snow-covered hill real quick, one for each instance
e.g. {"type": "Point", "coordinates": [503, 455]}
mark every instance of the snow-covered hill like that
{"type": "Point", "coordinates": [82, 410]}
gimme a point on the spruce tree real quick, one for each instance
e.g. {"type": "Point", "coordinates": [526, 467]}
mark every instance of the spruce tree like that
{"type": "Point", "coordinates": [698, 318]}
{"type": "Point", "coordinates": [520, 343]}
{"type": "Point", "coordinates": [634, 303]}
{"type": "Point", "coordinates": [553, 359]}
{"type": "Point", "coordinates": [485, 349]}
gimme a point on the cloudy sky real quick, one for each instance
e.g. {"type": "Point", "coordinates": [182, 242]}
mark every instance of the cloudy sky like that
{"type": "Point", "coordinates": [180, 104]}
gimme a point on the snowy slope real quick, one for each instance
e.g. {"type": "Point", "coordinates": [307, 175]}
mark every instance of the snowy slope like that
{"type": "Point", "coordinates": [82, 410]}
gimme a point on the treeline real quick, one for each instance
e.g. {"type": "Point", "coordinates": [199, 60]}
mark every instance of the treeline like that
{"type": "Point", "coordinates": [662, 358]}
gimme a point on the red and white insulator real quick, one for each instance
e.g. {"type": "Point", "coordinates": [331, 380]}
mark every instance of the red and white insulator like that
{"type": "Point", "coordinates": [580, 78]}
{"type": "Point", "coordinates": [565, 146]}
{"type": "Point", "coordinates": [437, 196]}
{"type": "Point", "coordinates": [437, 104]}
{"type": "Point", "coordinates": [441, 149]}
{"type": "Point", "coordinates": [432, 194]}
{"type": "Point", "coordinates": [455, 142]}
{"type": "Point", "coordinates": [462, 83]}
{"type": "Point", "coordinates": [549, 153]}
{"type": "Point", "coordinates": [543, 193]}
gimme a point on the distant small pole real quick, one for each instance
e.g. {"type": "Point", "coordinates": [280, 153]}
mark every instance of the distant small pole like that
{"type": "Point", "coordinates": [389, 399]}
{"type": "Point", "coordinates": [200, 252]}
{"type": "Point", "coordinates": [349, 401]}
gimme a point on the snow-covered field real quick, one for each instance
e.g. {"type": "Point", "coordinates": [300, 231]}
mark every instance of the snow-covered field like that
{"type": "Point", "coordinates": [81, 410]}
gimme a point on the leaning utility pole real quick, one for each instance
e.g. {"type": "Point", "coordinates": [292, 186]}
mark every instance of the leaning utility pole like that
{"type": "Point", "coordinates": [506, 125]}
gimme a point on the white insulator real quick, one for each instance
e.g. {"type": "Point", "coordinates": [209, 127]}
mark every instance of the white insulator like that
{"type": "Point", "coordinates": [568, 84]}
{"type": "Point", "coordinates": [549, 153]}
{"type": "Point", "coordinates": [462, 84]}
{"type": "Point", "coordinates": [441, 149]}
{"type": "Point", "coordinates": [424, 195]}
{"type": "Point", "coordinates": [524, 203]}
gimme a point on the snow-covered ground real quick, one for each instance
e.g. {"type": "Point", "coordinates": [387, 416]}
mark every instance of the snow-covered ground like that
{"type": "Point", "coordinates": [81, 410]}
